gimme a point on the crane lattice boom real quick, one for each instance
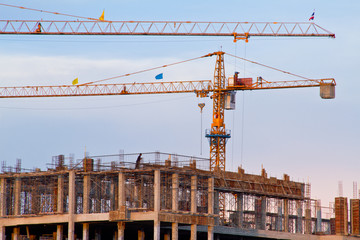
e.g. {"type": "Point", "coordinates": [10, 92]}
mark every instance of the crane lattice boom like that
{"type": "Point", "coordinates": [165, 28]}
{"type": "Point", "coordinates": [106, 89]}
{"type": "Point", "coordinates": [202, 88]}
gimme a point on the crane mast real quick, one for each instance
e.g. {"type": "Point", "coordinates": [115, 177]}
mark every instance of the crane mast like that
{"type": "Point", "coordinates": [218, 135]}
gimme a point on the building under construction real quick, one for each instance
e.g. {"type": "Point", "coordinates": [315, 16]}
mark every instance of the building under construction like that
{"type": "Point", "coordinates": [161, 196]}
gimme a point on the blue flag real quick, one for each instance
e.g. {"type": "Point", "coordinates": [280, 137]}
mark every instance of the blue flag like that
{"type": "Point", "coordinates": [159, 76]}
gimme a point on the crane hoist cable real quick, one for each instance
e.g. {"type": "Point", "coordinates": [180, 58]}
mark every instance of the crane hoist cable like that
{"type": "Point", "coordinates": [56, 13]}
{"type": "Point", "coordinates": [188, 60]}
{"type": "Point", "coordinates": [146, 70]}
{"type": "Point", "coordinates": [263, 65]}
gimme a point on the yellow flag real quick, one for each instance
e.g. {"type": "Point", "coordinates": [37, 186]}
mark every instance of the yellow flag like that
{"type": "Point", "coordinates": [101, 18]}
{"type": "Point", "coordinates": [75, 81]}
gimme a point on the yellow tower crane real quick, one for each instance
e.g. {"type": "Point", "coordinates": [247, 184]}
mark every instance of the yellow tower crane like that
{"type": "Point", "coordinates": [220, 89]}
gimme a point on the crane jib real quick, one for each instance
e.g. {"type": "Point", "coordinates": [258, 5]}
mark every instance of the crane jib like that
{"type": "Point", "coordinates": [238, 30]}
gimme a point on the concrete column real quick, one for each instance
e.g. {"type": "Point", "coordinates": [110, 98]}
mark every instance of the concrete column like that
{"type": "Point", "coordinates": [299, 217]}
{"type": "Point", "coordinates": [193, 206]}
{"type": "Point", "coordinates": [210, 232]}
{"type": "Point", "coordinates": [239, 209]}
{"type": "Point", "coordinates": [318, 217]}
{"type": "Point", "coordinates": [60, 195]}
{"type": "Point", "coordinates": [97, 234]}
{"type": "Point", "coordinates": [216, 206]}
{"type": "Point", "coordinates": [286, 215]}
{"type": "Point", "coordinates": [193, 233]}
{"type": "Point", "coordinates": [175, 205]}
{"type": "Point", "coordinates": [156, 229]}
{"type": "Point", "coordinates": [210, 206]}
{"type": "Point", "coordinates": [157, 204]}
{"type": "Point", "coordinates": [174, 231]}
{"type": "Point", "coordinates": [279, 219]}
{"type": "Point", "coordinates": [121, 231]}
{"type": "Point", "coordinates": [85, 231]}
{"type": "Point", "coordinates": [141, 234]}
{"type": "Point", "coordinates": [59, 232]}
{"type": "Point", "coordinates": [211, 195]}
{"type": "Point", "coordinates": [71, 224]}
{"type": "Point", "coordinates": [121, 191]}
{"type": "Point", "coordinates": [3, 197]}
{"type": "Point", "coordinates": [16, 233]}
{"type": "Point", "coordinates": [167, 236]}
{"type": "Point", "coordinates": [157, 190]}
{"type": "Point", "coordinates": [17, 196]}
{"type": "Point", "coordinates": [115, 237]}
{"type": "Point", "coordinates": [175, 192]}
{"type": "Point", "coordinates": [2, 233]}
{"type": "Point", "coordinates": [260, 212]}
{"type": "Point", "coordinates": [86, 194]}
{"type": "Point", "coordinates": [97, 192]}
{"type": "Point", "coordinates": [193, 194]}
{"type": "Point", "coordinates": [307, 221]}
{"type": "Point", "coordinates": [341, 216]}
{"type": "Point", "coordinates": [112, 195]}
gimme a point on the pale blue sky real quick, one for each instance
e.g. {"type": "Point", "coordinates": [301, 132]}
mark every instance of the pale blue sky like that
{"type": "Point", "coordinates": [290, 131]}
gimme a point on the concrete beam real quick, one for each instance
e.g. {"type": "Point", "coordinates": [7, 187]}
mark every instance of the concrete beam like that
{"type": "Point", "coordinates": [91, 217]}
{"type": "Point", "coordinates": [34, 220]}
